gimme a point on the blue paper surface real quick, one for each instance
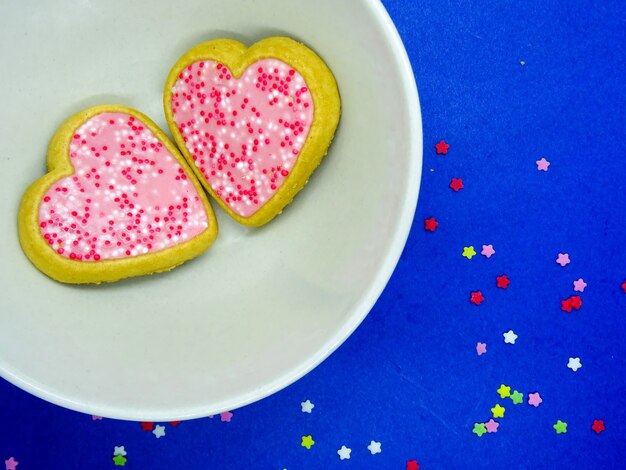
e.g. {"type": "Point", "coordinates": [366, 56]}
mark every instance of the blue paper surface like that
{"type": "Point", "coordinates": [410, 377]}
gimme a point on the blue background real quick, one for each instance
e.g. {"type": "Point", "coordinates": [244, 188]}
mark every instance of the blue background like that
{"type": "Point", "coordinates": [410, 376]}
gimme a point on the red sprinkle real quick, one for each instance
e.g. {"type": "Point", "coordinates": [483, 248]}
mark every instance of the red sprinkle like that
{"type": "Point", "coordinates": [430, 224]}
{"type": "Point", "coordinates": [477, 297]}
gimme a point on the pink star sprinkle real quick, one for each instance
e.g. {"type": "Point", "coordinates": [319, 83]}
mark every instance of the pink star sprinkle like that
{"type": "Point", "coordinates": [563, 259]}
{"type": "Point", "coordinates": [481, 348]}
{"type": "Point", "coordinates": [492, 426]}
{"type": "Point", "coordinates": [543, 164]}
{"type": "Point", "coordinates": [226, 417]}
{"type": "Point", "coordinates": [487, 251]}
{"type": "Point", "coordinates": [11, 464]}
{"type": "Point", "coordinates": [579, 286]}
{"type": "Point", "coordinates": [96, 418]}
{"type": "Point", "coordinates": [534, 399]}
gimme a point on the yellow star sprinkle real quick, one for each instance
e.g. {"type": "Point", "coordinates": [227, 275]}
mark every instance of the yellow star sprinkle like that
{"type": "Point", "coordinates": [469, 252]}
{"type": "Point", "coordinates": [498, 411]}
{"type": "Point", "coordinates": [307, 441]}
{"type": "Point", "coordinates": [504, 391]}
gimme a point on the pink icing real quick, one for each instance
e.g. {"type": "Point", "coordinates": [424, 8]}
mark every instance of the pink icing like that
{"type": "Point", "coordinates": [244, 134]}
{"type": "Point", "coordinates": [128, 195]}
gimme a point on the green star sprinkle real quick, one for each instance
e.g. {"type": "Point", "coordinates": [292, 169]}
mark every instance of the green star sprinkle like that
{"type": "Point", "coordinates": [560, 427]}
{"type": "Point", "coordinates": [307, 441]}
{"type": "Point", "coordinates": [119, 460]}
{"type": "Point", "coordinates": [479, 429]}
{"type": "Point", "coordinates": [469, 252]}
{"type": "Point", "coordinates": [504, 391]}
{"type": "Point", "coordinates": [517, 397]}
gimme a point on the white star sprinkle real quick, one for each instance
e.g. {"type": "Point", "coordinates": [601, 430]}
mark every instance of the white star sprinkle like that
{"type": "Point", "coordinates": [574, 363]}
{"type": "Point", "coordinates": [509, 337]}
{"type": "Point", "coordinates": [344, 452]}
{"type": "Point", "coordinates": [307, 406]}
{"type": "Point", "coordinates": [374, 447]}
{"type": "Point", "coordinates": [159, 431]}
{"type": "Point", "coordinates": [119, 450]}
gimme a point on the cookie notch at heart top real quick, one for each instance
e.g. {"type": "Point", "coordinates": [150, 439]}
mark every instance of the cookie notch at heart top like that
{"type": "Point", "coordinates": [237, 60]}
{"type": "Point", "coordinates": [48, 257]}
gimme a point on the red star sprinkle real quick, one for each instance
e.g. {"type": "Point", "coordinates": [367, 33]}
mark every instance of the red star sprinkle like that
{"type": "Point", "coordinates": [503, 281]}
{"type": "Point", "coordinates": [624, 286]}
{"type": "Point", "coordinates": [598, 425]}
{"type": "Point", "coordinates": [566, 305]}
{"type": "Point", "coordinates": [456, 184]}
{"type": "Point", "coordinates": [477, 297]}
{"type": "Point", "coordinates": [442, 148]}
{"type": "Point", "coordinates": [430, 224]}
{"type": "Point", "coordinates": [573, 302]}
{"type": "Point", "coordinates": [147, 426]}
{"type": "Point", "coordinates": [175, 423]}
{"type": "Point", "coordinates": [576, 301]}
{"type": "Point", "coordinates": [412, 465]}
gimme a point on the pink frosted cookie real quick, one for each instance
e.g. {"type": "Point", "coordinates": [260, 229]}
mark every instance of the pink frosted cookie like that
{"type": "Point", "coordinates": [253, 123]}
{"type": "Point", "coordinates": [118, 201]}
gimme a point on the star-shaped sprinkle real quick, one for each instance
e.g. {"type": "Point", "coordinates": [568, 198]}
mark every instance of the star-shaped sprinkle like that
{"type": "Point", "coordinates": [119, 460]}
{"type": "Point", "coordinates": [598, 425]}
{"type": "Point", "coordinates": [566, 305]}
{"type": "Point", "coordinates": [479, 429]}
{"type": "Point", "coordinates": [344, 453]}
{"type": "Point", "coordinates": [476, 297]}
{"type": "Point", "coordinates": [430, 225]}
{"type": "Point", "coordinates": [543, 164]}
{"type": "Point", "coordinates": [307, 441]}
{"type": "Point", "coordinates": [469, 252]}
{"type": "Point", "coordinates": [442, 147]}
{"type": "Point", "coordinates": [481, 348]}
{"type": "Point", "coordinates": [510, 337]}
{"type": "Point", "coordinates": [492, 426]}
{"type": "Point", "coordinates": [576, 302]}
{"type": "Point", "coordinates": [11, 463]}
{"type": "Point", "coordinates": [563, 259]}
{"type": "Point", "coordinates": [574, 363]}
{"type": "Point", "coordinates": [175, 423]}
{"type": "Point", "coordinates": [504, 391]}
{"type": "Point", "coordinates": [456, 184]}
{"type": "Point", "coordinates": [159, 431]}
{"type": "Point", "coordinates": [572, 302]}
{"type": "Point", "coordinates": [579, 285]}
{"type": "Point", "coordinates": [96, 418]}
{"type": "Point", "coordinates": [147, 426]}
{"type": "Point", "coordinates": [517, 397]}
{"type": "Point", "coordinates": [502, 281]}
{"type": "Point", "coordinates": [307, 406]}
{"type": "Point", "coordinates": [226, 416]}
{"type": "Point", "coordinates": [412, 465]}
{"type": "Point", "coordinates": [374, 448]}
{"type": "Point", "coordinates": [560, 427]}
{"type": "Point", "coordinates": [534, 399]}
{"type": "Point", "coordinates": [498, 411]}
{"type": "Point", "coordinates": [119, 450]}
{"type": "Point", "coordinates": [487, 251]}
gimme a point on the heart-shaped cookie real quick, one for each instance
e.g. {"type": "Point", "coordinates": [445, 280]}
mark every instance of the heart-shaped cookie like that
{"type": "Point", "coordinates": [118, 201]}
{"type": "Point", "coordinates": [253, 123]}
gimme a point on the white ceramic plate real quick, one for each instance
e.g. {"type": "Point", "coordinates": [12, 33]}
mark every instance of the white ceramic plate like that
{"type": "Point", "coordinates": [262, 307]}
